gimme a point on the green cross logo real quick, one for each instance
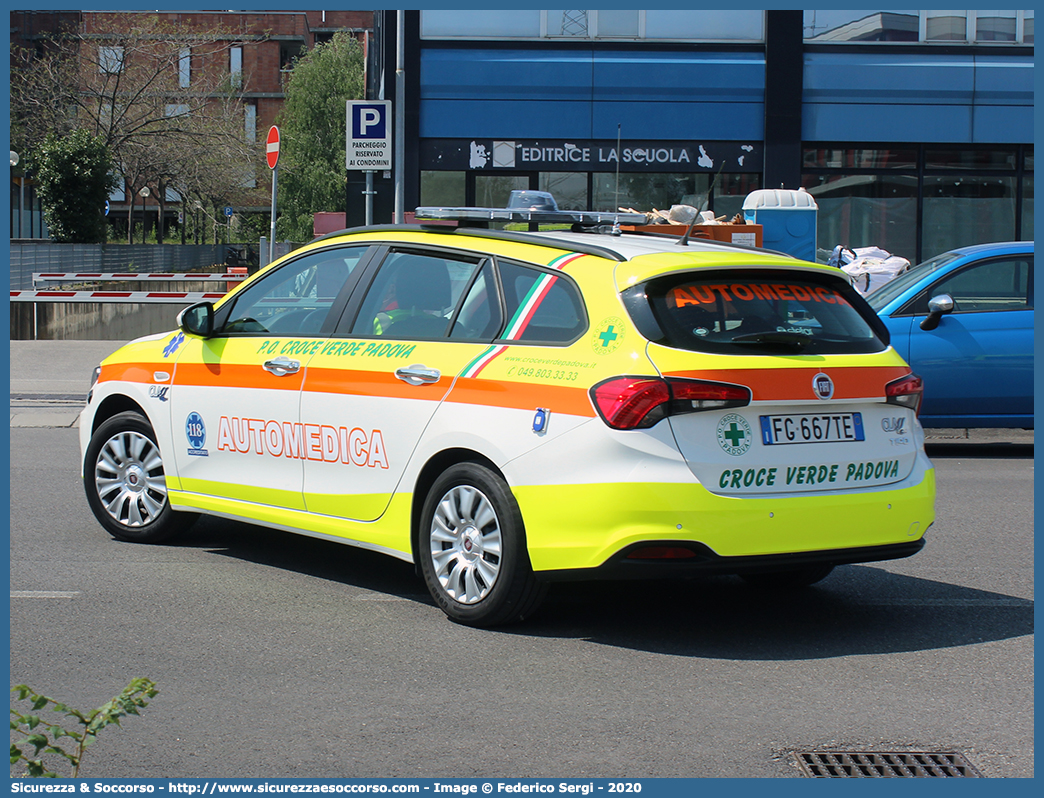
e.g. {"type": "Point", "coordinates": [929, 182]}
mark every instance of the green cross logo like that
{"type": "Point", "coordinates": [610, 334]}
{"type": "Point", "coordinates": [734, 436]}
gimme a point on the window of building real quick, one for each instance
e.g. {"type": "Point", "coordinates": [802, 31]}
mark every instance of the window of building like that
{"type": "Point", "coordinates": [863, 210]}
{"type": "Point", "coordinates": [494, 191]}
{"type": "Point", "coordinates": [249, 179]}
{"type": "Point", "coordinates": [656, 25]}
{"type": "Point", "coordinates": [110, 60]}
{"type": "Point", "coordinates": [966, 209]}
{"type": "Point", "coordinates": [919, 203]}
{"type": "Point", "coordinates": [568, 188]}
{"type": "Point", "coordinates": [475, 24]}
{"type": "Point", "coordinates": [647, 190]}
{"type": "Point", "coordinates": [996, 26]}
{"type": "Point", "coordinates": [1027, 207]}
{"type": "Point", "coordinates": [173, 110]}
{"type": "Point", "coordinates": [184, 67]}
{"type": "Point", "coordinates": [288, 51]}
{"type": "Point", "coordinates": [860, 158]}
{"type": "Point", "coordinates": [943, 27]}
{"type": "Point", "coordinates": [719, 26]}
{"type": "Point", "coordinates": [965, 160]}
{"type": "Point", "coordinates": [443, 189]}
{"type": "Point", "coordinates": [235, 65]}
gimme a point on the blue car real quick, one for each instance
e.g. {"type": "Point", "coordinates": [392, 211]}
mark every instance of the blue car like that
{"type": "Point", "coordinates": [963, 320]}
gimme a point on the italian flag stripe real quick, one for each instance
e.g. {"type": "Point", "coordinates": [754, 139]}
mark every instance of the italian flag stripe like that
{"type": "Point", "coordinates": [475, 366]}
{"type": "Point", "coordinates": [536, 295]}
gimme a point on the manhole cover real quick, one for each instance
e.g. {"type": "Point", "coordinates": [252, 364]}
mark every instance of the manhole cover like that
{"type": "Point", "coordinates": [878, 764]}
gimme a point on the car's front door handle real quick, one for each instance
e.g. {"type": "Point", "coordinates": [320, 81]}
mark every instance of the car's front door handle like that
{"type": "Point", "coordinates": [417, 374]}
{"type": "Point", "coordinates": [282, 366]}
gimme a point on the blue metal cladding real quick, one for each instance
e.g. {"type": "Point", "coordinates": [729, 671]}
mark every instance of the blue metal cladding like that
{"type": "Point", "coordinates": [541, 93]}
{"type": "Point", "coordinates": [918, 97]}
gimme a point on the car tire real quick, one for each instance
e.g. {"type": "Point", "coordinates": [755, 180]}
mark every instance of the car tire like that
{"type": "Point", "coordinates": [125, 482]}
{"type": "Point", "coordinates": [790, 578]}
{"type": "Point", "coordinates": [472, 549]}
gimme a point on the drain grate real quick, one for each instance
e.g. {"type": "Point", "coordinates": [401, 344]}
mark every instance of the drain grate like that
{"type": "Point", "coordinates": [886, 765]}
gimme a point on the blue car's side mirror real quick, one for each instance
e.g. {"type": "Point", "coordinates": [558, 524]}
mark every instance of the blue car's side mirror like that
{"type": "Point", "coordinates": [937, 307]}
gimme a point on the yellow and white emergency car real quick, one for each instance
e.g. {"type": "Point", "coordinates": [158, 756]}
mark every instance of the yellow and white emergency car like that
{"type": "Point", "coordinates": [505, 409]}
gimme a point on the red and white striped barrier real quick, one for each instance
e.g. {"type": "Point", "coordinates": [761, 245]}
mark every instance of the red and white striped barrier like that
{"type": "Point", "coordinates": [85, 277]}
{"type": "Point", "coordinates": [143, 297]}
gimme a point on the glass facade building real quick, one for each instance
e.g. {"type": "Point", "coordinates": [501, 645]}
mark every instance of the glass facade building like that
{"type": "Point", "coordinates": [912, 129]}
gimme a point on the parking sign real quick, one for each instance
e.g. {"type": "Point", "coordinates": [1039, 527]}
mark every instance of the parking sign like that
{"type": "Point", "coordinates": [368, 145]}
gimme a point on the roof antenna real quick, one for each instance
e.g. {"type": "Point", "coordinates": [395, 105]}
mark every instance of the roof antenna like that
{"type": "Point", "coordinates": [684, 240]}
{"type": "Point", "coordinates": [616, 223]}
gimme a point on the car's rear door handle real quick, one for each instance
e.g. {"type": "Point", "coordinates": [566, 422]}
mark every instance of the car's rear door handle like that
{"type": "Point", "coordinates": [282, 366]}
{"type": "Point", "coordinates": [417, 374]}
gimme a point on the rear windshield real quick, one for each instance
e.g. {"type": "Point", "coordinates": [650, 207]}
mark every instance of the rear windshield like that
{"type": "Point", "coordinates": [764, 312]}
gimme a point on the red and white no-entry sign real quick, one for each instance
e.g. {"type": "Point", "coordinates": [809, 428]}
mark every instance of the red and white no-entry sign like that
{"type": "Point", "coordinates": [272, 145]}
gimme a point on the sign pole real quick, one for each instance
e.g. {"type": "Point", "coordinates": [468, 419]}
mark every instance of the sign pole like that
{"type": "Point", "coordinates": [369, 197]}
{"type": "Point", "coordinates": [272, 156]}
{"type": "Point", "coordinates": [400, 114]}
{"type": "Point", "coordinates": [272, 234]}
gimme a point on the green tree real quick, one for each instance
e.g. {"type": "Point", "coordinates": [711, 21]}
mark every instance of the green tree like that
{"type": "Point", "coordinates": [312, 133]}
{"type": "Point", "coordinates": [74, 175]}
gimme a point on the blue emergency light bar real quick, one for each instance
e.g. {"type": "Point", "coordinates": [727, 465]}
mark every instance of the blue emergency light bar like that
{"type": "Point", "coordinates": [528, 215]}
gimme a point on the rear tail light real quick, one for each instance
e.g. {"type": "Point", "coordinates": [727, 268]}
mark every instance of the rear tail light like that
{"type": "Point", "coordinates": [640, 402]}
{"type": "Point", "coordinates": [906, 392]}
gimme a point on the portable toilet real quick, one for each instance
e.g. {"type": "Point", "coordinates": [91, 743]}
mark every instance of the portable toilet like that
{"type": "Point", "coordinates": [787, 218]}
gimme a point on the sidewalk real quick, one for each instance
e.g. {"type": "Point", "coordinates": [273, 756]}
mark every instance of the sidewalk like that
{"type": "Point", "coordinates": [50, 380]}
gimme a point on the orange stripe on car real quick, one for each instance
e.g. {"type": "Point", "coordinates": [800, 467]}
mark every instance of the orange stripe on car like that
{"type": "Point", "coordinates": [522, 396]}
{"type": "Point", "coordinates": [235, 375]}
{"type": "Point", "coordinates": [784, 385]}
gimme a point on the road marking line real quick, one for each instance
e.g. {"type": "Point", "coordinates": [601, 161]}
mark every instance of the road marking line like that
{"type": "Point", "coordinates": [47, 594]}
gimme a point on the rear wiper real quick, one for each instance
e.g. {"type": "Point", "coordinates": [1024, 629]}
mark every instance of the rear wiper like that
{"type": "Point", "coordinates": [786, 339]}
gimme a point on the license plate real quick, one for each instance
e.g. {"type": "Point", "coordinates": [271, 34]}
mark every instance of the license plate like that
{"type": "Point", "coordinates": [812, 428]}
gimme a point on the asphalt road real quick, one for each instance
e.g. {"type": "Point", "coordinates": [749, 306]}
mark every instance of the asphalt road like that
{"type": "Point", "coordinates": [282, 656]}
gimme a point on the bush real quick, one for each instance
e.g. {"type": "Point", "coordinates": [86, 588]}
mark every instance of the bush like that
{"type": "Point", "coordinates": [74, 176]}
{"type": "Point", "coordinates": [84, 727]}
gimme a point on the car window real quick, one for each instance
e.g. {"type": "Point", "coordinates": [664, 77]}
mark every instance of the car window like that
{"type": "Point", "coordinates": [996, 285]}
{"type": "Point", "coordinates": [540, 306]}
{"type": "Point", "coordinates": [414, 296]}
{"type": "Point", "coordinates": [893, 288]}
{"type": "Point", "coordinates": [479, 317]}
{"type": "Point", "coordinates": [295, 298]}
{"type": "Point", "coordinates": [763, 312]}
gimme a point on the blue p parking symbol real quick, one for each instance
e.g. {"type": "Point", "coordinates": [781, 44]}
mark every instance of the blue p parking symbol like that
{"type": "Point", "coordinates": [368, 122]}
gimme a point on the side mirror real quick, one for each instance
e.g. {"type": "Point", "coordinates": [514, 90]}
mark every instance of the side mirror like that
{"type": "Point", "coordinates": [197, 319]}
{"type": "Point", "coordinates": [937, 307]}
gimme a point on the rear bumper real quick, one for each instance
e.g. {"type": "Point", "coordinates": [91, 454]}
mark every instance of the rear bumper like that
{"type": "Point", "coordinates": [705, 561]}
